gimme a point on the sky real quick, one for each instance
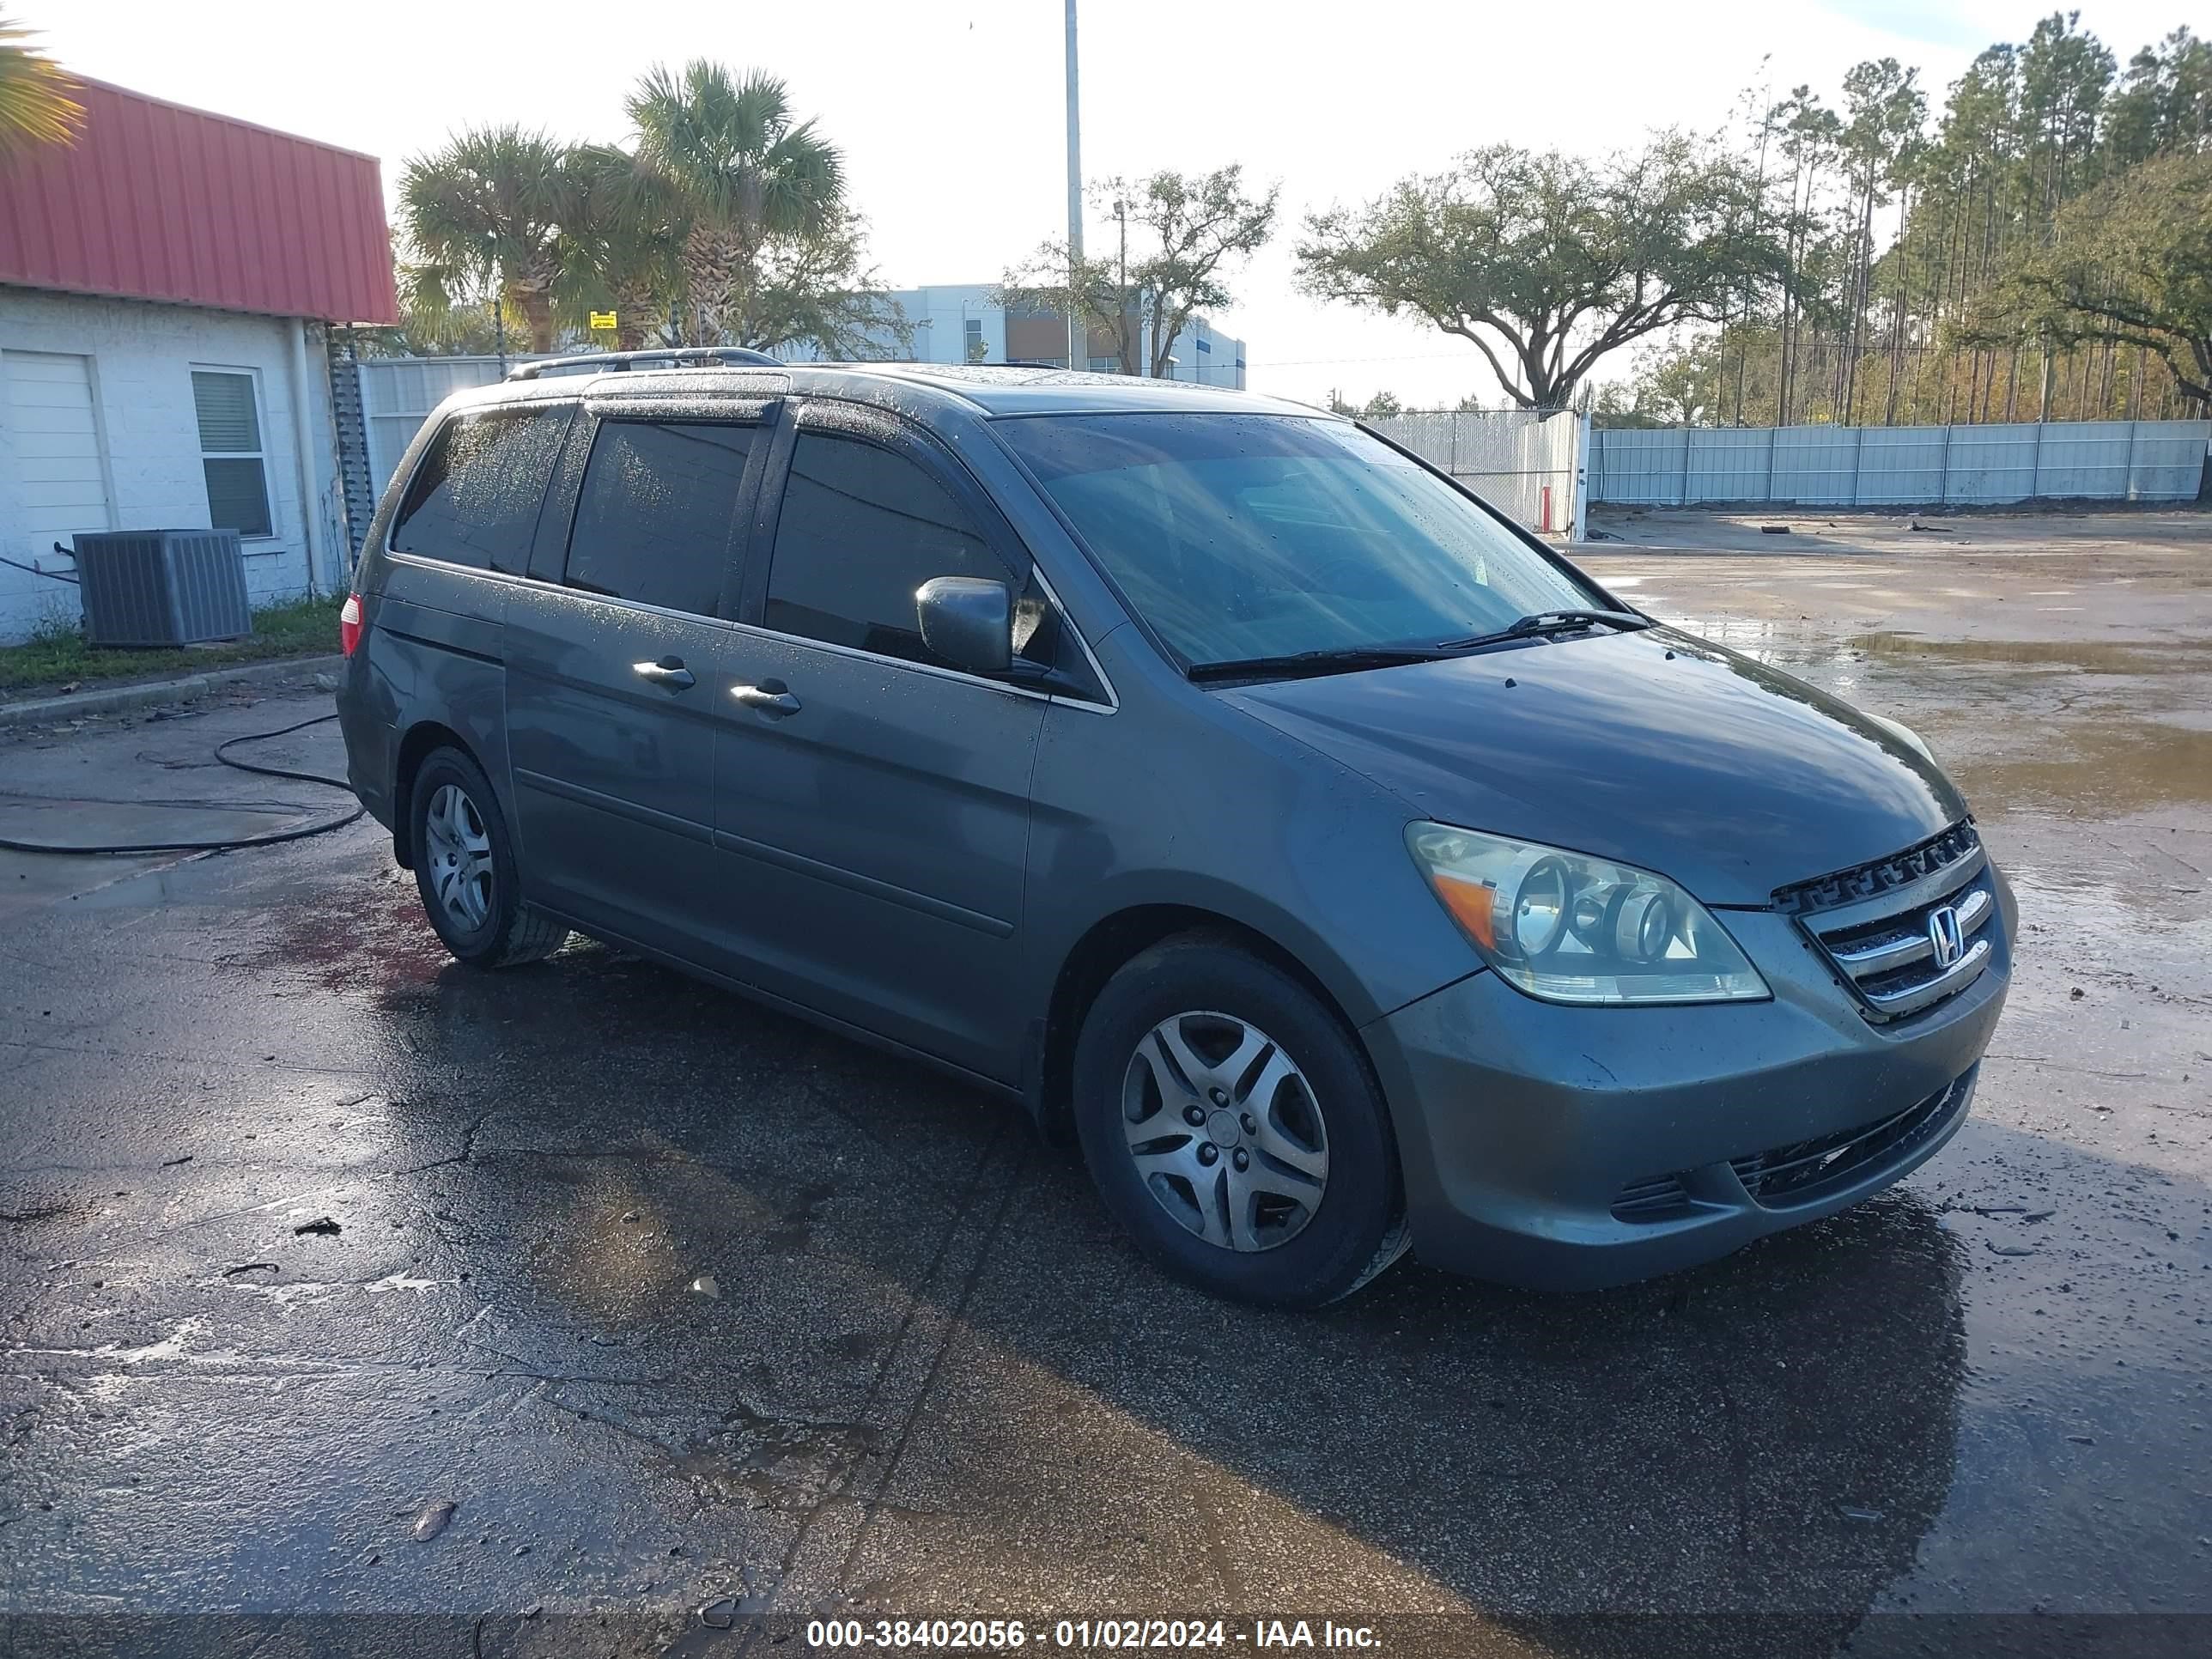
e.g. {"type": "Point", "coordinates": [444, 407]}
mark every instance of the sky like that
{"type": "Point", "coordinates": [951, 116]}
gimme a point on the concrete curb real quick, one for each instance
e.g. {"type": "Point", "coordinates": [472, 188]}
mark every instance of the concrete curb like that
{"type": "Point", "coordinates": [110, 700]}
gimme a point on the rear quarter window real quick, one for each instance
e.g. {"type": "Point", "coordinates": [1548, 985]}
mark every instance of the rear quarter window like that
{"type": "Point", "coordinates": [474, 499]}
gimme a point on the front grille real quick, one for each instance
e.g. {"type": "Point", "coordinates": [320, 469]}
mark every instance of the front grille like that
{"type": "Point", "coordinates": [1806, 1171]}
{"type": "Point", "coordinates": [1882, 927]}
{"type": "Point", "coordinates": [1930, 857]}
{"type": "Point", "coordinates": [1652, 1199]}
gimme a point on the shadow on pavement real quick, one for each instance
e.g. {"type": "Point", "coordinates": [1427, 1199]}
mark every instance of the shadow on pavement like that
{"type": "Point", "coordinates": [682, 1303]}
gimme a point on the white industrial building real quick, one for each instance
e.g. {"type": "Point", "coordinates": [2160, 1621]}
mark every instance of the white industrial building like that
{"type": "Point", "coordinates": [964, 323]}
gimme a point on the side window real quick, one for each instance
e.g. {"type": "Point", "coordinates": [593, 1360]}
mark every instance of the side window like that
{"type": "Point", "coordinates": [653, 521]}
{"type": "Point", "coordinates": [474, 499]}
{"type": "Point", "coordinates": [861, 529]}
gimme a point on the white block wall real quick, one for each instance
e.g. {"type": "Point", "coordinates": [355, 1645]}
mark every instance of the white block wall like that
{"type": "Point", "coordinates": [141, 358]}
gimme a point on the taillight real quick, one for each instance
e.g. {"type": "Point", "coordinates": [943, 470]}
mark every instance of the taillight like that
{"type": "Point", "coordinates": [350, 623]}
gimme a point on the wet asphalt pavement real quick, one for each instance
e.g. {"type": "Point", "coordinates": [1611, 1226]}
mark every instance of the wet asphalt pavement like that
{"type": "Point", "coordinates": [692, 1314]}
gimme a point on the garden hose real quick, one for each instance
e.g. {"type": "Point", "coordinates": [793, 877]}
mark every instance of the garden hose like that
{"type": "Point", "coordinates": [274, 838]}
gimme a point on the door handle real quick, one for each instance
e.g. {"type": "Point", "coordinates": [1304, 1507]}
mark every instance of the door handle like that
{"type": "Point", "coordinates": [769, 697]}
{"type": "Point", "coordinates": [668, 671]}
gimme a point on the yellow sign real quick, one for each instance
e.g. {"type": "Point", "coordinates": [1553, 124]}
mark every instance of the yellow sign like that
{"type": "Point", "coordinates": [602, 319]}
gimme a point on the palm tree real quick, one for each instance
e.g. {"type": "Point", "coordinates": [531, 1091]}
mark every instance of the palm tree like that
{"type": "Point", "coordinates": [442, 311]}
{"type": "Point", "coordinates": [485, 211]}
{"type": "Point", "coordinates": [622, 233]}
{"type": "Point", "coordinates": [745, 173]}
{"type": "Point", "coordinates": [35, 105]}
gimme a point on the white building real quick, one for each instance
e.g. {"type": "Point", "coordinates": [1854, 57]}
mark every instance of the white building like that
{"type": "Point", "coordinates": [120, 414]}
{"type": "Point", "coordinates": [161, 359]}
{"type": "Point", "coordinates": [961, 323]}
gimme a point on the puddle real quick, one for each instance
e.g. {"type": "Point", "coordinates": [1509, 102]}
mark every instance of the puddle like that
{"type": "Point", "coordinates": [2089, 657]}
{"type": "Point", "coordinates": [771, 1462]}
{"type": "Point", "coordinates": [1792, 647]}
{"type": "Point", "coordinates": [180, 1344]}
{"type": "Point", "coordinates": [299, 1289]}
{"type": "Point", "coordinates": [2105, 920]}
{"type": "Point", "coordinates": [175, 1346]}
{"type": "Point", "coordinates": [391, 1282]}
{"type": "Point", "coordinates": [2091, 771]}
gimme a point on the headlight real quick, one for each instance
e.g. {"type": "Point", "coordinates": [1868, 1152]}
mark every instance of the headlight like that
{"type": "Point", "coordinates": [1570, 928]}
{"type": "Point", "coordinates": [1906, 735]}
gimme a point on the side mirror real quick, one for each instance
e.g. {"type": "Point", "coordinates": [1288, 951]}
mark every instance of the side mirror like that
{"type": "Point", "coordinates": [967, 621]}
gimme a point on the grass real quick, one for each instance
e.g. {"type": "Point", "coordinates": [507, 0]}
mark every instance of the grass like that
{"type": "Point", "coordinates": [55, 658]}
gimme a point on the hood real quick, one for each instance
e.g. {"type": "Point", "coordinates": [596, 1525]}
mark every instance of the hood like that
{"type": "Point", "coordinates": [1709, 768]}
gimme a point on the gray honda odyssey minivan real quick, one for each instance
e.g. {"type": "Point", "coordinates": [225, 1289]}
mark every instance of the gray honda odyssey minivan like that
{"type": "Point", "coordinates": [1340, 866]}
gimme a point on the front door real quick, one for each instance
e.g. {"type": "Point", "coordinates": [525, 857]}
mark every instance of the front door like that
{"type": "Point", "coordinates": [613, 679]}
{"type": "Point", "coordinates": [879, 799]}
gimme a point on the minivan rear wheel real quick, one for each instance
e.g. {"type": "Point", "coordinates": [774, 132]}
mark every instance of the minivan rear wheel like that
{"type": "Point", "coordinates": [464, 868]}
{"type": "Point", "coordinates": [1233, 1126]}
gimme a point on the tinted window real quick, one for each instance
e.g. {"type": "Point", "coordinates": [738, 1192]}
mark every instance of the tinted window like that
{"type": "Point", "coordinates": [1261, 535]}
{"type": "Point", "coordinates": [861, 529]}
{"type": "Point", "coordinates": [653, 522]}
{"type": "Point", "coordinates": [474, 501]}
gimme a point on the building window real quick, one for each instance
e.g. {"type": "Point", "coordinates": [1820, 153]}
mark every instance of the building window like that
{"type": "Point", "coordinates": [230, 452]}
{"type": "Point", "coordinates": [1205, 344]}
{"type": "Point", "coordinates": [971, 333]}
{"type": "Point", "coordinates": [1105, 365]}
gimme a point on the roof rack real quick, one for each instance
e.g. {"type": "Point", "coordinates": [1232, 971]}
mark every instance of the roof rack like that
{"type": "Point", "coordinates": [675, 356]}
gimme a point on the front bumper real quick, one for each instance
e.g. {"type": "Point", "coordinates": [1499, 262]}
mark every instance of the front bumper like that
{"type": "Point", "coordinates": [1522, 1124]}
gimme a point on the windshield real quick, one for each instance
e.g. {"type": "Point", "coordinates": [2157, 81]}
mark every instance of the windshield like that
{"type": "Point", "coordinates": [1257, 536]}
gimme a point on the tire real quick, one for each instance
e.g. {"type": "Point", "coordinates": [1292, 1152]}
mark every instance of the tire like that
{"type": "Point", "coordinates": [465, 868]}
{"type": "Point", "coordinates": [1316, 1208]}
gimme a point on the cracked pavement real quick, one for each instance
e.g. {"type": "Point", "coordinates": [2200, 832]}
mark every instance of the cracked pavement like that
{"type": "Point", "coordinates": [695, 1314]}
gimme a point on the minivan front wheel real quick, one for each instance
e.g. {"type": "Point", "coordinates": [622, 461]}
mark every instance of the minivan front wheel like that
{"type": "Point", "coordinates": [464, 868]}
{"type": "Point", "coordinates": [1233, 1126]}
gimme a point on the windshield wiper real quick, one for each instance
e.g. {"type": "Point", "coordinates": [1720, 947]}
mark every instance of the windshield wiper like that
{"type": "Point", "coordinates": [1540, 622]}
{"type": "Point", "coordinates": [1351, 659]}
{"type": "Point", "coordinates": [1297, 664]}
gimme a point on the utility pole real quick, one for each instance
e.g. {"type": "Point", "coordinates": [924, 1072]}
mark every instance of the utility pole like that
{"type": "Point", "coordinates": [1077, 330]}
{"type": "Point", "coordinates": [1122, 292]}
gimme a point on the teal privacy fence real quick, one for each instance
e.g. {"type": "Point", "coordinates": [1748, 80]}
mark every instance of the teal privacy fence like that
{"type": "Point", "coordinates": [1900, 466]}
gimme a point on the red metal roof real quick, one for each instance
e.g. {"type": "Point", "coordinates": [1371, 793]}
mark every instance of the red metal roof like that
{"type": "Point", "coordinates": [156, 201]}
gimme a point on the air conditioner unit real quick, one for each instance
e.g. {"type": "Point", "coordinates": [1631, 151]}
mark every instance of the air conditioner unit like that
{"type": "Point", "coordinates": [145, 587]}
